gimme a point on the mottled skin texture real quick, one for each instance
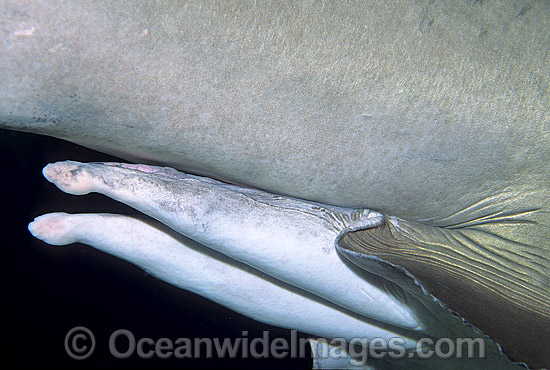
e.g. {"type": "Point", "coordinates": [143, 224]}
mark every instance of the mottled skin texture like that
{"type": "Point", "coordinates": [431, 112]}
{"type": "Point", "coordinates": [321, 101]}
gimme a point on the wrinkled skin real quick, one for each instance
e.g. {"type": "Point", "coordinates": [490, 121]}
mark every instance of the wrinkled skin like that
{"type": "Point", "coordinates": [106, 206]}
{"type": "Point", "coordinates": [263, 230]}
{"type": "Point", "coordinates": [421, 116]}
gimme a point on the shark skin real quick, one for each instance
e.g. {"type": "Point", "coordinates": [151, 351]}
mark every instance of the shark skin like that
{"type": "Point", "coordinates": [439, 115]}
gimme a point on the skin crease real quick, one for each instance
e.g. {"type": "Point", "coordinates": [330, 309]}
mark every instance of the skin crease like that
{"type": "Point", "coordinates": [152, 185]}
{"type": "Point", "coordinates": [242, 224]}
{"type": "Point", "coordinates": [103, 207]}
{"type": "Point", "coordinates": [511, 147]}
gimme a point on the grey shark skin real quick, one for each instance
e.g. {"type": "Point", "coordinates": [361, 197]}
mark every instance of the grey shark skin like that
{"type": "Point", "coordinates": [435, 113]}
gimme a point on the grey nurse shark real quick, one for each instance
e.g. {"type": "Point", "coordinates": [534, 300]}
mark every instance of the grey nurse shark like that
{"type": "Point", "coordinates": [386, 163]}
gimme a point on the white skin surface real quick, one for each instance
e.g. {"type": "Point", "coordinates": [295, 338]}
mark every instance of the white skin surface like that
{"type": "Point", "coordinates": [217, 278]}
{"type": "Point", "coordinates": [288, 239]}
{"type": "Point", "coordinates": [284, 237]}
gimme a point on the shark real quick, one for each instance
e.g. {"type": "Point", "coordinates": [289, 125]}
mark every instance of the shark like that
{"type": "Point", "coordinates": [392, 155]}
